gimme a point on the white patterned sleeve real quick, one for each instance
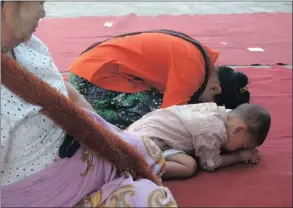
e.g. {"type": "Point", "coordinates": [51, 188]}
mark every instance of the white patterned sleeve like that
{"type": "Point", "coordinates": [53, 73]}
{"type": "Point", "coordinates": [4, 140]}
{"type": "Point", "coordinates": [36, 44]}
{"type": "Point", "coordinates": [209, 155]}
{"type": "Point", "coordinates": [207, 143]}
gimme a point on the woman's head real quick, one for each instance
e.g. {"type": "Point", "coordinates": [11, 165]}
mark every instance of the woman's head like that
{"type": "Point", "coordinates": [226, 87]}
{"type": "Point", "coordinates": [19, 19]}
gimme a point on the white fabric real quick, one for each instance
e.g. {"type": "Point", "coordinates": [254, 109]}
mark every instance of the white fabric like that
{"type": "Point", "coordinates": [197, 129]}
{"type": "Point", "coordinates": [170, 152]}
{"type": "Point", "coordinates": [29, 140]}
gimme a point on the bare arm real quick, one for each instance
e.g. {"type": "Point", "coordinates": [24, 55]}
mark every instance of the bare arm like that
{"type": "Point", "coordinates": [231, 159]}
{"type": "Point", "coordinates": [249, 156]}
{"type": "Point", "coordinates": [77, 98]}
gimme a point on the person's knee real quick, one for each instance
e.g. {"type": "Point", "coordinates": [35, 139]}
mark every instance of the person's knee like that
{"type": "Point", "coordinates": [191, 166]}
{"type": "Point", "coordinates": [181, 166]}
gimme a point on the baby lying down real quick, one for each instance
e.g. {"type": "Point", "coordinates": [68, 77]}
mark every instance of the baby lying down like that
{"type": "Point", "coordinates": [203, 130]}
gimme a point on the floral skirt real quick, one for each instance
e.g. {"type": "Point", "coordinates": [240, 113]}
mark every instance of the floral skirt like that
{"type": "Point", "coordinates": [119, 109]}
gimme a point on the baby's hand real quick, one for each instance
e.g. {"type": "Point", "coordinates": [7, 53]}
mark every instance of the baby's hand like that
{"type": "Point", "coordinates": [252, 156]}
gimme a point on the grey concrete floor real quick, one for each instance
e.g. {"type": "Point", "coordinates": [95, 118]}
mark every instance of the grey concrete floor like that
{"type": "Point", "coordinates": [75, 9]}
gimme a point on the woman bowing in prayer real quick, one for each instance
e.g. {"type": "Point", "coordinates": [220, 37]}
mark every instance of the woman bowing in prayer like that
{"type": "Point", "coordinates": [128, 76]}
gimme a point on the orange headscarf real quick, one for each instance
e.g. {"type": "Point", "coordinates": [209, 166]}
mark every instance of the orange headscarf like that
{"type": "Point", "coordinates": [136, 63]}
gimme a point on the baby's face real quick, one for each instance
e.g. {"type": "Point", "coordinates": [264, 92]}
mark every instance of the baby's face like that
{"type": "Point", "coordinates": [237, 144]}
{"type": "Point", "coordinates": [238, 139]}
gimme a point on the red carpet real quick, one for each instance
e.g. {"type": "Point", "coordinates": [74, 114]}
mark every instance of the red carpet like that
{"type": "Point", "coordinates": [230, 34]}
{"type": "Point", "coordinates": [268, 184]}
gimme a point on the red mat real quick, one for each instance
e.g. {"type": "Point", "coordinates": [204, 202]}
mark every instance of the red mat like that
{"type": "Point", "coordinates": [230, 34]}
{"type": "Point", "coordinates": [268, 184]}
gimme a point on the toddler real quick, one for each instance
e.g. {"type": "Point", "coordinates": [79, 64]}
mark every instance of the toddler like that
{"type": "Point", "coordinates": [203, 130]}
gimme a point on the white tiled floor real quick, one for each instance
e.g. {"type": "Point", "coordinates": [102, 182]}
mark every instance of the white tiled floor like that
{"type": "Point", "coordinates": [73, 9]}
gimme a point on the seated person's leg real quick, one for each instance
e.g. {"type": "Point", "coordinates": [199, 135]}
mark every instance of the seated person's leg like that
{"type": "Point", "coordinates": [179, 165]}
{"type": "Point", "coordinates": [125, 192]}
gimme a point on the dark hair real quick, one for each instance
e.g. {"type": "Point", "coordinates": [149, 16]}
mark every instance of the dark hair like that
{"type": "Point", "coordinates": [233, 84]}
{"type": "Point", "coordinates": [257, 119]}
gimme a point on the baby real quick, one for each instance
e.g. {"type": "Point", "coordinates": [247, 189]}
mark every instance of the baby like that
{"type": "Point", "coordinates": [204, 130]}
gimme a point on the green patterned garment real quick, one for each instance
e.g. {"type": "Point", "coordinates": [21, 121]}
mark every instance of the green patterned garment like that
{"type": "Point", "coordinates": [119, 109]}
